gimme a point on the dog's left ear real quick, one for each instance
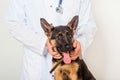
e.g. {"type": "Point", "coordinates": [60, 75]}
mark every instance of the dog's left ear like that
{"type": "Point", "coordinates": [45, 25]}
{"type": "Point", "coordinates": [73, 23]}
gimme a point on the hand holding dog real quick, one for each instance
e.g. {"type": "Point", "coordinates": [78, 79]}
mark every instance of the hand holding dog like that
{"type": "Point", "coordinates": [74, 54]}
{"type": "Point", "coordinates": [77, 51]}
{"type": "Point", "coordinates": [53, 53]}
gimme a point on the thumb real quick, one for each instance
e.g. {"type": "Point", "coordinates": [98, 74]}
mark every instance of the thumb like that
{"type": "Point", "coordinates": [75, 44]}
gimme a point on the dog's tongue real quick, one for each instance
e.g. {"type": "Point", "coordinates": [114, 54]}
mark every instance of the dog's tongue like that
{"type": "Point", "coordinates": [66, 58]}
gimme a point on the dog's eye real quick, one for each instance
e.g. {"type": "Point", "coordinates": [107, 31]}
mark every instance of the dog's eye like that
{"type": "Point", "coordinates": [68, 34]}
{"type": "Point", "coordinates": [60, 36]}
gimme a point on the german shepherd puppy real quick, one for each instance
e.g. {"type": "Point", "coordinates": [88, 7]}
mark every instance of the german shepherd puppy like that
{"type": "Point", "coordinates": [61, 38]}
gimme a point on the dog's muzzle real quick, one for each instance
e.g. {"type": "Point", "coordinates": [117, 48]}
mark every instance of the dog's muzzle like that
{"type": "Point", "coordinates": [65, 48]}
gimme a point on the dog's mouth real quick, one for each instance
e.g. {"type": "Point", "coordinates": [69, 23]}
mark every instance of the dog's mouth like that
{"type": "Point", "coordinates": [66, 57]}
{"type": "Point", "coordinates": [65, 52]}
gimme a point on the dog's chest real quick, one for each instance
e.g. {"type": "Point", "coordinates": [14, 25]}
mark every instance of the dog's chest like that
{"type": "Point", "coordinates": [67, 71]}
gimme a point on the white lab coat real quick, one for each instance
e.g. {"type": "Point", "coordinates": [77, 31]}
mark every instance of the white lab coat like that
{"type": "Point", "coordinates": [24, 18]}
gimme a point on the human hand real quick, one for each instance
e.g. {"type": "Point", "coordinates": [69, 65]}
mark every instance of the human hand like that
{"type": "Point", "coordinates": [77, 51]}
{"type": "Point", "coordinates": [54, 54]}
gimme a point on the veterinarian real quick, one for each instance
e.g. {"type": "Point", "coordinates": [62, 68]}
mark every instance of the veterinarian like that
{"type": "Point", "coordinates": [24, 16]}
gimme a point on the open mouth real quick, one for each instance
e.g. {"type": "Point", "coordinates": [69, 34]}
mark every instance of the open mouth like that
{"type": "Point", "coordinates": [65, 52]}
{"type": "Point", "coordinates": [66, 57]}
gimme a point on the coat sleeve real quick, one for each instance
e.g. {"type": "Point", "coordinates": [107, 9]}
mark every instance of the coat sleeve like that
{"type": "Point", "coordinates": [86, 28]}
{"type": "Point", "coordinates": [16, 19]}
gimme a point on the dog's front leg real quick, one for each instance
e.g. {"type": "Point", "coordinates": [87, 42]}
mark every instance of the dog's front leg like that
{"type": "Point", "coordinates": [58, 75]}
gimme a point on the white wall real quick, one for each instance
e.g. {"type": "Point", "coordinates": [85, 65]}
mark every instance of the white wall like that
{"type": "Point", "coordinates": [102, 56]}
{"type": "Point", "coordinates": [10, 50]}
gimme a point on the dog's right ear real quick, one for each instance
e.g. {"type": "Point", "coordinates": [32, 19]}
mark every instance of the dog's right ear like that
{"type": "Point", "coordinates": [73, 23]}
{"type": "Point", "coordinates": [45, 25]}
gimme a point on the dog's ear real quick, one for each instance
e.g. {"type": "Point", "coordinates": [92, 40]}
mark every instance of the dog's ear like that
{"type": "Point", "coordinates": [73, 23]}
{"type": "Point", "coordinates": [45, 25]}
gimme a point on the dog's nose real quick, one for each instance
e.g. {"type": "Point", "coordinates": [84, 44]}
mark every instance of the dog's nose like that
{"type": "Point", "coordinates": [67, 46]}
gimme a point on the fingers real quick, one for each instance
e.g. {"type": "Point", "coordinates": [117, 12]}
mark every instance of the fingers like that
{"type": "Point", "coordinates": [74, 57]}
{"type": "Point", "coordinates": [57, 56]}
{"type": "Point", "coordinates": [49, 46]}
{"type": "Point", "coordinates": [76, 53]}
{"type": "Point", "coordinates": [54, 54]}
{"type": "Point", "coordinates": [75, 43]}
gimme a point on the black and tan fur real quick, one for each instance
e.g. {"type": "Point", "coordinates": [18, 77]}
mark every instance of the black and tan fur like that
{"type": "Point", "coordinates": [61, 38]}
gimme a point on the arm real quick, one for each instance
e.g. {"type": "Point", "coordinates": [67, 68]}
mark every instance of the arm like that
{"type": "Point", "coordinates": [20, 29]}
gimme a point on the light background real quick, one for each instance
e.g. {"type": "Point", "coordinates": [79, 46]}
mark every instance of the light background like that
{"type": "Point", "coordinates": [102, 57]}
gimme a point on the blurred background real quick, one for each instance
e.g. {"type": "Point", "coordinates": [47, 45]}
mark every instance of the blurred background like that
{"type": "Point", "coordinates": [102, 57]}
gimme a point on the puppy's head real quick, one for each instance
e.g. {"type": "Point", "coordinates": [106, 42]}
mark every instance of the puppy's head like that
{"type": "Point", "coordinates": [60, 37]}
